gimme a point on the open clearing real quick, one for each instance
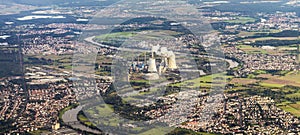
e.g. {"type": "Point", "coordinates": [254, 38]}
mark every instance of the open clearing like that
{"type": "Point", "coordinates": [243, 81]}
{"type": "Point", "coordinates": [206, 81]}
{"type": "Point", "coordinates": [292, 78]}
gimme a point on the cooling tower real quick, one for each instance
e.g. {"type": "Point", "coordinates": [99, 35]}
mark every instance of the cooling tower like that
{"type": "Point", "coordinates": [152, 66]}
{"type": "Point", "coordinates": [163, 50]}
{"type": "Point", "coordinates": [155, 49]}
{"type": "Point", "coordinates": [172, 61]}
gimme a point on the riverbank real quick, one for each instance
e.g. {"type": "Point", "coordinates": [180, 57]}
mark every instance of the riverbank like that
{"type": "Point", "coordinates": [70, 118]}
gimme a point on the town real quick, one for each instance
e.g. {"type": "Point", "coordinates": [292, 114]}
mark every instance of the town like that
{"type": "Point", "coordinates": [243, 81]}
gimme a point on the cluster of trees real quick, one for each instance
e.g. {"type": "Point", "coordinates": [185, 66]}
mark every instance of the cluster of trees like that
{"type": "Point", "coordinates": [285, 33]}
{"type": "Point", "coordinates": [275, 42]}
{"type": "Point", "coordinates": [280, 95]}
{"type": "Point", "coordinates": [6, 125]}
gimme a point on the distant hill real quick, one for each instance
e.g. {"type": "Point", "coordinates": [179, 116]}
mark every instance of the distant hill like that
{"type": "Point", "coordinates": [250, 7]}
{"type": "Point", "coordinates": [64, 2]}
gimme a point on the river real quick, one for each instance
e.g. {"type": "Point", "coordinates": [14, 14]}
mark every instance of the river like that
{"type": "Point", "coordinates": [70, 118]}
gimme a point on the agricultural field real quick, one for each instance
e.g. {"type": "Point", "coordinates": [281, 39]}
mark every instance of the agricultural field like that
{"type": "Point", "coordinates": [247, 34]}
{"type": "Point", "coordinates": [242, 20]}
{"type": "Point", "coordinates": [291, 78]}
{"type": "Point", "coordinates": [115, 35]}
{"type": "Point", "coordinates": [279, 50]}
{"type": "Point", "coordinates": [205, 81]}
{"type": "Point", "coordinates": [270, 38]}
{"type": "Point", "coordinates": [99, 112]}
{"type": "Point", "coordinates": [57, 61]}
{"type": "Point", "coordinates": [265, 79]}
{"type": "Point", "coordinates": [282, 86]}
{"type": "Point", "coordinates": [114, 39]}
{"type": "Point", "coordinates": [287, 49]}
{"type": "Point", "coordinates": [103, 111]}
{"type": "Point", "coordinates": [118, 38]}
{"type": "Point", "coordinates": [243, 81]}
{"type": "Point", "coordinates": [293, 108]}
{"type": "Point", "coordinates": [252, 50]}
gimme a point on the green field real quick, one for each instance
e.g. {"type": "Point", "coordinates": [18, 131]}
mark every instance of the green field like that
{"type": "Point", "coordinates": [252, 33]}
{"type": "Point", "coordinates": [246, 34]}
{"type": "Point", "coordinates": [100, 111]}
{"type": "Point", "coordinates": [293, 96]}
{"type": "Point", "coordinates": [274, 79]}
{"type": "Point", "coordinates": [115, 35]}
{"type": "Point", "coordinates": [205, 81]}
{"type": "Point", "coordinates": [272, 85]}
{"type": "Point", "coordinates": [118, 38]}
{"type": "Point", "coordinates": [242, 20]}
{"type": "Point", "coordinates": [295, 76]}
{"type": "Point", "coordinates": [284, 88]}
{"type": "Point", "coordinates": [292, 108]}
{"type": "Point", "coordinates": [271, 38]}
{"type": "Point", "coordinates": [252, 50]}
{"type": "Point", "coordinates": [58, 61]}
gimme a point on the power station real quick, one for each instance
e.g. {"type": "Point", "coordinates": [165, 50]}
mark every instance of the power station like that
{"type": "Point", "coordinates": [151, 67]}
